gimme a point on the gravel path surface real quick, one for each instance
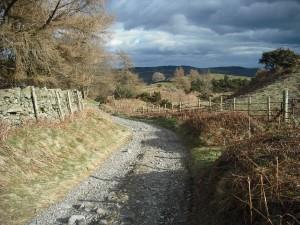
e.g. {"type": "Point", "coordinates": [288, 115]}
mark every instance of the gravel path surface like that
{"type": "Point", "coordinates": [144, 183]}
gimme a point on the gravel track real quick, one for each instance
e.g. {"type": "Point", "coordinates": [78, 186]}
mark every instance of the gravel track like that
{"type": "Point", "coordinates": [143, 183]}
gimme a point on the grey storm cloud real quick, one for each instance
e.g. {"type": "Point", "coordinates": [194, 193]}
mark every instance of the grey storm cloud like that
{"type": "Point", "coordinates": [211, 30]}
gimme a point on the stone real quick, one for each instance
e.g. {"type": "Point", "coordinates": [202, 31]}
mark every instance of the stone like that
{"type": "Point", "coordinates": [77, 220]}
{"type": "Point", "coordinates": [3, 108]}
{"type": "Point", "coordinates": [102, 212]}
{"type": "Point", "coordinates": [112, 196]}
{"type": "Point", "coordinates": [26, 92]}
{"type": "Point", "coordinates": [14, 109]}
{"type": "Point", "coordinates": [88, 207]}
{"type": "Point", "coordinates": [2, 162]}
{"type": "Point", "coordinates": [5, 94]}
{"type": "Point", "coordinates": [78, 206]}
{"type": "Point", "coordinates": [103, 222]}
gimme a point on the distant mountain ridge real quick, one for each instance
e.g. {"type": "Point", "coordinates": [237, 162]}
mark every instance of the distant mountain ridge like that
{"type": "Point", "coordinates": [146, 73]}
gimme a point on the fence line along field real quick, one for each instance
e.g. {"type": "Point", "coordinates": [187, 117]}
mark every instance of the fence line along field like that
{"type": "Point", "coordinates": [285, 109]}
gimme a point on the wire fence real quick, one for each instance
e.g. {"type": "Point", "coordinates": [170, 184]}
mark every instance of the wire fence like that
{"type": "Point", "coordinates": [285, 109]}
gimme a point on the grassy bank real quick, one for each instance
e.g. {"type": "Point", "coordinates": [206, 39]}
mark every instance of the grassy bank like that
{"type": "Point", "coordinates": [41, 162]}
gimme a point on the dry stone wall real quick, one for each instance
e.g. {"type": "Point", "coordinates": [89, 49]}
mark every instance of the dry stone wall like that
{"type": "Point", "coordinates": [18, 105]}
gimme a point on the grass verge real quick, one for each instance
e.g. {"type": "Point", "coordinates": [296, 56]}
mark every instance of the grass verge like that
{"type": "Point", "coordinates": [41, 162]}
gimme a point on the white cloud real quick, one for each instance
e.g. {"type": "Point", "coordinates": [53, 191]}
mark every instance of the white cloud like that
{"type": "Point", "coordinates": [203, 32]}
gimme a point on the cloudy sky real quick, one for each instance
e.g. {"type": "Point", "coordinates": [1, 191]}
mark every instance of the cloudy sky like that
{"type": "Point", "coordinates": [203, 33]}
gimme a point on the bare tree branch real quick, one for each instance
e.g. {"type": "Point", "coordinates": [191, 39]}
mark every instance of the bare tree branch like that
{"type": "Point", "coordinates": [52, 15]}
{"type": "Point", "coordinates": [8, 8]}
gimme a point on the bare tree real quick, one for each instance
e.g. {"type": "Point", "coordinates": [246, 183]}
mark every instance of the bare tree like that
{"type": "Point", "coordinates": [181, 80]}
{"type": "Point", "coordinates": [194, 75]}
{"type": "Point", "coordinates": [124, 61]}
{"type": "Point", "coordinates": [52, 43]}
{"type": "Point", "coordinates": [127, 82]}
{"type": "Point", "coordinates": [179, 72]}
{"type": "Point", "coordinates": [158, 77]}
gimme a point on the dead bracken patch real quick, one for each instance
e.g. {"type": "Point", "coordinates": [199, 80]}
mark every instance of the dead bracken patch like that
{"type": "Point", "coordinates": [256, 182]}
{"type": "Point", "coordinates": [221, 128]}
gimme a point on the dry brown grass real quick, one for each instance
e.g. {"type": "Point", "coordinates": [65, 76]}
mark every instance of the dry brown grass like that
{"type": "Point", "coordinates": [221, 128]}
{"type": "Point", "coordinates": [41, 162]}
{"type": "Point", "coordinates": [180, 96]}
{"type": "Point", "coordinates": [170, 92]}
{"type": "Point", "coordinates": [124, 106]}
{"type": "Point", "coordinates": [255, 182]}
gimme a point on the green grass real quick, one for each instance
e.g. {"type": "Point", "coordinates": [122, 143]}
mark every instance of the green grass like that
{"type": "Point", "coordinates": [204, 157]}
{"type": "Point", "coordinates": [259, 97]}
{"type": "Point", "coordinates": [275, 89]}
{"type": "Point", "coordinates": [219, 76]}
{"type": "Point", "coordinates": [167, 85]}
{"type": "Point", "coordinates": [169, 123]}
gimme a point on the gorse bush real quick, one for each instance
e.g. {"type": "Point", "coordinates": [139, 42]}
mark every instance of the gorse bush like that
{"type": "Point", "coordinates": [229, 84]}
{"type": "Point", "coordinates": [127, 84]}
{"type": "Point", "coordinates": [147, 97]}
{"type": "Point", "coordinates": [124, 91]}
{"type": "Point", "coordinates": [165, 103]}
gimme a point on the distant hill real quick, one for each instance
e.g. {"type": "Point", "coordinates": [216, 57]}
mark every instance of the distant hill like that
{"type": "Point", "coordinates": [146, 72]}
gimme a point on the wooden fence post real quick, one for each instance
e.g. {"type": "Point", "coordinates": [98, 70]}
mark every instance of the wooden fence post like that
{"type": "Point", "coordinates": [249, 105]}
{"type": "Point", "coordinates": [69, 102]}
{"type": "Point", "coordinates": [78, 100]}
{"type": "Point", "coordinates": [172, 107]}
{"type": "Point", "coordinates": [210, 104]}
{"type": "Point", "coordinates": [60, 112]}
{"type": "Point", "coordinates": [82, 105]}
{"type": "Point", "coordinates": [180, 106]}
{"type": "Point", "coordinates": [234, 104]}
{"type": "Point", "coordinates": [249, 126]}
{"type": "Point", "coordinates": [159, 109]}
{"type": "Point", "coordinates": [221, 103]}
{"type": "Point", "coordinates": [34, 102]}
{"type": "Point", "coordinates": [165, 107]}
{"type": "Point", "coordinates": [269, 108]}
{"type": "Point", "coordinates": [293, 104]}
{"type": "Point", "coordinates": [199, 103]}
{"type": "Point", "coordinates": [286, 105]}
